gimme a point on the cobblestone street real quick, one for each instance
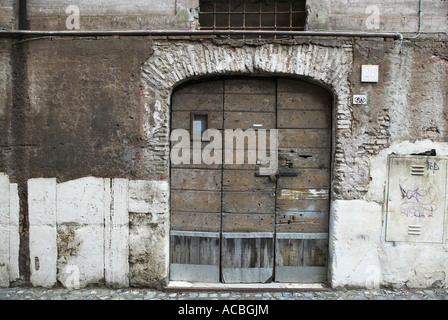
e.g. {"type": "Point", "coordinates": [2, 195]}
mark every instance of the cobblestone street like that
{"type": "Point", "coordinates": [147, 294]}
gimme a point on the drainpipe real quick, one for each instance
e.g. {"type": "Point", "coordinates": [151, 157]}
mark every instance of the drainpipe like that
{"type": "Point", "coordinates": [23, 15]}
{"type": "Point", "coordinates": [18, 136]}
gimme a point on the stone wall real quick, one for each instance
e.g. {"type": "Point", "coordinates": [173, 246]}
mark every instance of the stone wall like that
{"type": "Point", "coordinates": [89, 231]}
{"type": "Point", "coordinates": [84, 151]}
{"type": "Point", "coordinates": [112, 15]}
{"type": "Point", "coordinates": [363, 15]}
{"type": "Point", "coordinates": [386, 16]}
{"type": "Point", "coordinates": [8, 14]}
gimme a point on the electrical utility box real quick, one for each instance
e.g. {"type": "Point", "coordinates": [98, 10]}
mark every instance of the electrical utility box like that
{"type": "Point", "coordinates": [416, 198]}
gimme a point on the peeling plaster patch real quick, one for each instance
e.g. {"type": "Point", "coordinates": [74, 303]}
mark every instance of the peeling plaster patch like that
{"type": "Point", "coordinates": [378, 163]}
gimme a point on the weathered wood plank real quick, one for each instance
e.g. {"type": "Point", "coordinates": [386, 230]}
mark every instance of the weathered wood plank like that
{"type": "Point", "coordinates": [245, 180]}
{"type": "Point", "coordinates": [301, 252]}
{"type": "Point", "coordinates": [210, 86]}
{"type": "Point", "coordinates": [298, 119]}
{"type": "Point", "coordinates": [195, 179]}
{"type": "Point", "coordinates": [248, 252]}
{"type": "Point", "coordinates": [315, 252]}
{"type": "Point", "coordinates": [247, 259]}
{"type": "Point", "coordinates": [248, 222]}
{"type": "Point", "coordinates": [256, 102]}
{"type": "Point", "coordinates": [196, 221]}
{"type": "Point", "coordinates": [248, 202]}
{"type": "Point", "coordinates": [304, 138]}
{"type": "Point", "coordinates": [294, 94]}
{"type": "Point", "coordinates": [304, 205]}
{"type": "Point", "coordinates": [247, 120]}
{"type": "Point", "coordinates": [195, 250]}
{"type": "Point", "coordinates": [182, 119]}
{"type": "Point", "coordinates": [307, 178]}
{"type": "Point", "coordinates": [203, 96]}
{"type": "Point", "coordinates": [197, 102]}
{"type": "Point", "coordinates": [313, 222]}
{"type": "Point", "coordinates": [251, 87]}
{"type": "Point", "coordinates": [288, 252]}
{"type": "Point", "coordinates": [306, 157]}
{"type": "Point", "coordinates": [300, 87]}
{"type": "Point", "coordinates": [298, 101]}
{"type": "Point", "coordinates": [195, 201]}
{"type": "Point", "coordinates": [207, 148]}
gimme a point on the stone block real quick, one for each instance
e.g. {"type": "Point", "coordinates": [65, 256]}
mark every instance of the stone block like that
{"type": "Point", "coordinates": [116, 233]}
{"type": "Point", "coordinates": [354, 240]}
{"type": "Point", "coordinates": [81, 201]}
{"type": "Point", "coordinates": [42, 218]}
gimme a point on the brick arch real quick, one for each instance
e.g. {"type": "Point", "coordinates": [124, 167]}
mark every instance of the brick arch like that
{"type": "Point", "coordinates": [172, 65]}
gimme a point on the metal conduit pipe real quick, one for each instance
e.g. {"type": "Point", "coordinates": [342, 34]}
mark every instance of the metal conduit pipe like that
{"type": "Point", "coordinates": [420, 13]}
{"type": "Point", "coordinates": [105, 33]}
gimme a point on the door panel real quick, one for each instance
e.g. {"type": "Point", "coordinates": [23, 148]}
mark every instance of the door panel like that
{"type": "Point", "coordinates": [194, 256]}
{"type": "Point", "coordinates": [248, 248]}
{"type": "Point", "coordinates": [196, 191]}
{"type": "Point", "coordinates": [304, 122]}
{"type": "Point", "coordinates": [248, 257]}
{"type": "Point", "coordinates": [232, 225]}
{"type": "Point", "coordinates": [301, 260]}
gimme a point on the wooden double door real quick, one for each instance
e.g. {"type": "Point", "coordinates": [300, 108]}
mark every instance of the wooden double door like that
{"type": "Point", "coordinates": [231, 224]}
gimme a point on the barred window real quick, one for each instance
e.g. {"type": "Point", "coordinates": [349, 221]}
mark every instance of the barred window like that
{"type": "Point", "coordinates": [278, 15]}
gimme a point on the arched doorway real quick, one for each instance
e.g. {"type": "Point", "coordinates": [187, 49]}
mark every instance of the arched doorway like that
{"type": "Point", "coordinates": [229, 223]}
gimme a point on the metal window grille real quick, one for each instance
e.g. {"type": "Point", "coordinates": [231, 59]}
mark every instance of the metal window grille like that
{"type": "Point", "coordinates": [279, 15]}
